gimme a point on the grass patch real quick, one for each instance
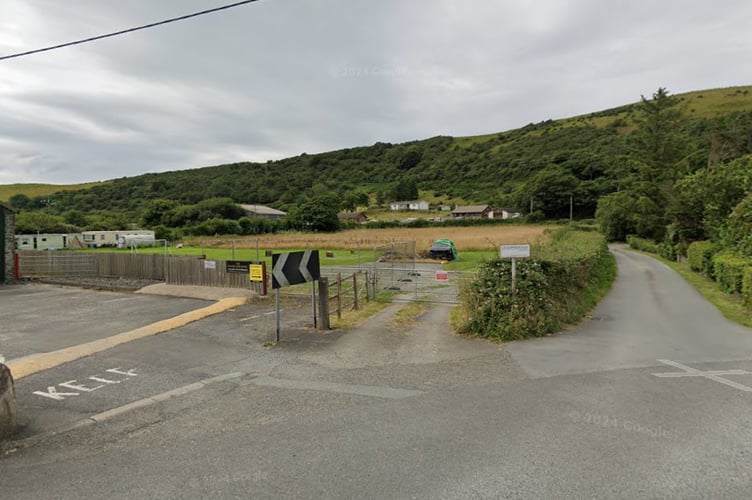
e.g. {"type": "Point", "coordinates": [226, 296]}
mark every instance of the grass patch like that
{"type": "Point", "coordinates": [409, 314]}
{"type": "Point", "coordinates": [351, 319]}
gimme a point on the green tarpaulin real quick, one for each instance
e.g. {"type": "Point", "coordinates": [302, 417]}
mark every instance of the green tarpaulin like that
{"type": "Point", "coordinates": [443, 249]}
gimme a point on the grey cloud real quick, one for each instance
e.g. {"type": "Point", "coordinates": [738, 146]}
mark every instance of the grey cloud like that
{"type": "Point", "coordinates": [279, 77]}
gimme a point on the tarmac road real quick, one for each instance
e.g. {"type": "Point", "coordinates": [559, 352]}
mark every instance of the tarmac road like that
{"type": "Point", "coordinates": [650, 398]}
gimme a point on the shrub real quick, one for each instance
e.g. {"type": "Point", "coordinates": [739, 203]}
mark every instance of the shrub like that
{"type": "Point", "coordinates": [747, 287]}
{"type": "Point", "coordinates": [563, 280]}
{"type": "Point", "coordinates": [728, 269]}
{"type": "Point", "coordinates": [642, 244]}
{"type": "Point", "coordinates": [700, 257]}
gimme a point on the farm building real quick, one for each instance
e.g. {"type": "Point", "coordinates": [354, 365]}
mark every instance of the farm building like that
{"type": "Point", "coordinates": [472, 212]}
{"type": "Point", "coordinates": [7, 231]}
{"type": "Point", "coordinates": [263, 211]}
{"type": "Point", "coordinates": [409, 205]}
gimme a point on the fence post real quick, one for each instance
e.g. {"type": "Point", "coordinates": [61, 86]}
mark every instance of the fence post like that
{"type": "Point", "coordinates": [323, 303]}
{"type": "Point", "coordinates": [339, 295]}
{"type": "Point", "coordinates": [355, 289]}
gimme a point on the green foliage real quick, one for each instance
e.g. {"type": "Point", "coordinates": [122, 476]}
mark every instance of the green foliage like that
{"type": "Point", "coordinates": [40, 222]}
{"type": "Point", "coordinates": [353, 199]}
{"type": "Point", "coordinates": [405, 189]}
{"type": "Point", "coordinates": [747, 287]}
{"type": "Point", "coordinates": [556, 287]}
{"type": "Point", "coordinates": [705, 198]}
{"type": "Point", "coordinates": [737, 234]}
{"type": "Point", "coordinates": [317, 213]}
{"type": "Point", "coordinates": [629, 212]}
{"type": "Point", "coordinates": [643, 244]}
{"type": "Point", "coordinates": [700, 257]}
{"type": "Point", "coordinates": [728, 270]}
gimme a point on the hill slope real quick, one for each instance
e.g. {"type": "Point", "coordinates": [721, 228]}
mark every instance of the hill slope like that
{"type": "Point", "coordinates": [545, 162]}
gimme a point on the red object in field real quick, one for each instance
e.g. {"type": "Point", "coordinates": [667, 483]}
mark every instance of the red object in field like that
{"type": "Point", "coordinates": [442, 275]}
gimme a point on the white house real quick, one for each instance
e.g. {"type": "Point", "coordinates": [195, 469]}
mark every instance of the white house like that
{"type": "Point", "coordinates": [504, 213]}
{"type": "Point", "coordinates": [409, 205]}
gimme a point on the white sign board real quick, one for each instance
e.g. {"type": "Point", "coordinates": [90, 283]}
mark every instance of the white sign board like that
{"type": "Point", "coordinates": [514, 251]}
{"type": "Point", "coordinates": [210, 264]}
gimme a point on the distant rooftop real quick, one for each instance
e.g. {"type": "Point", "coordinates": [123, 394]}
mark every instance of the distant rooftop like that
{"type": "Point", "coordinates": [262, 210]}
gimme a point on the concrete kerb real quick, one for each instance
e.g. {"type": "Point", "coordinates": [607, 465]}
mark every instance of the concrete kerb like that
{"type": "Point", "coordinates": [28, 365]}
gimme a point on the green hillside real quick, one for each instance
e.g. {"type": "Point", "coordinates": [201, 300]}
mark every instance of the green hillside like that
{"type": "Point", "coordinates": [545, 164]}
{"type": "Point", "coordinates": [39, 190]}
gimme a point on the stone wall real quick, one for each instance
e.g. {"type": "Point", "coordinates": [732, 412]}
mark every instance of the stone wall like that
{"type": "Point", "coordinates": [8, 408]}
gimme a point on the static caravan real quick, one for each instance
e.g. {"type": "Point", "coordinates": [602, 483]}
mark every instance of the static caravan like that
{"type": "Point", "coordinates": [42, 241]}
{"type": "Point", "coordinates": [122, 239]}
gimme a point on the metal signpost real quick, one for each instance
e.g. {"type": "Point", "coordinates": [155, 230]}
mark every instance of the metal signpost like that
{"type": "Point", "coordinates": [294, 268]}
{"type": "Point", "coordinates": [514, 252]}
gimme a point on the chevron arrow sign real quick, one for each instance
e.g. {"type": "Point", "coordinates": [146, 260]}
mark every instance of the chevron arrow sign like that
{"type": "Point", "coordinates": [294, 268]}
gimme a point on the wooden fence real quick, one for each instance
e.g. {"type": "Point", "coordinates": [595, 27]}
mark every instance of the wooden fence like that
{"type": "Point", "coordinates": [172, 269]}
{"type": "Point", "coordinates": [348, 292]}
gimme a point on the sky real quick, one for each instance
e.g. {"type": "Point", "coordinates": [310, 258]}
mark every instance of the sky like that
{"type": "Point", "coordinates": [277, 78]}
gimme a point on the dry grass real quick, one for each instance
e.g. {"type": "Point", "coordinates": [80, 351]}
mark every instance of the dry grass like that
{"type": "Point", "coordinates": [465, 238]}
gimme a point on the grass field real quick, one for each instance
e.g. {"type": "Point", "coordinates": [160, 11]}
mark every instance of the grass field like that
{"type": "Point", "coordinates": [353, 247]}
{"type": "Point", "coordinates": [465, 238]}
{"type": "Point", "coordinates": [33, 190]}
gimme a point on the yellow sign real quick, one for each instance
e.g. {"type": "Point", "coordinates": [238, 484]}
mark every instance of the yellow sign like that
{"type": "Point", "coordinates": [257, 272]}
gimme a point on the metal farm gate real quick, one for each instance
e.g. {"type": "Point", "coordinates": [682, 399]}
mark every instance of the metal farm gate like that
{"type": "Point", "coordinates": [397, 268]}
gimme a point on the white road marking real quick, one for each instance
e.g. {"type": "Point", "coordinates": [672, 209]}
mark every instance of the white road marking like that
{"type": "Point", "coordinates": [714, 375]}
{"type": "Point", "coordinates": [52, 392]}
{"type": "Point", "coordinates": [129, 373]}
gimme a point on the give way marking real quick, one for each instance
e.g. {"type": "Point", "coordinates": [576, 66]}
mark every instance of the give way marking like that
{"type": "Point", "coordinates": [714, 375]}
{"type": "Point", "coordinates": [75, 388]}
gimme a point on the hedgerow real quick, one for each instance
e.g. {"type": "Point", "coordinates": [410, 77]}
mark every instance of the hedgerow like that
{"type": "Point", "coordinates": [728, 269]}
{"type": "Point", "coordinates": [747, 287]}
{"type": "Point", "coordinates": [700, 256]}
{"type": "Point", "coordinates": [563, 280]}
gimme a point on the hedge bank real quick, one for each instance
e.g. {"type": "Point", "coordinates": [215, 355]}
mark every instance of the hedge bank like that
{"type": "Point", "coordinates": [556, 287]}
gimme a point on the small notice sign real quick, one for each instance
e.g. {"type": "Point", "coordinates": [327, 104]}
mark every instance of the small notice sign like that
{"type": "Point", "coordinates": [210, 264]}
{"type": "Point", "coordinates": [442, 275]}
{"type": "Point", "coordinates": [238, 266]}
{"type": "Point", "coordinates": [514, 251]}
{"type": "Point", "coordinates": [257, 272]}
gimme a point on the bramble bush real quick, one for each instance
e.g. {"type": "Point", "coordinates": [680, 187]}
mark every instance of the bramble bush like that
{"type": "Point", "coordinates": [562, 280]}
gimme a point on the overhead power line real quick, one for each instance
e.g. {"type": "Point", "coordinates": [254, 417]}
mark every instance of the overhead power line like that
{"type": "Point", "coordinates": [129, 30]}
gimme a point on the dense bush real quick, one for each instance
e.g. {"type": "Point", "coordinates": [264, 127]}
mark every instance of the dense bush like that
{"type": "Point", "coordinates": [700, 257]}
{"type": "Point", "coordinates": [747, 287]}
{"type": "Point", "coordinates": [728, 269]}
{"type": "Point", "coordinates": [642, 244]}
{"type": "Point", "coordinates": [562, 281]}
